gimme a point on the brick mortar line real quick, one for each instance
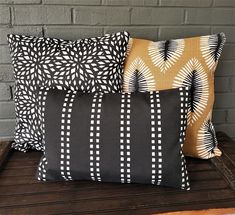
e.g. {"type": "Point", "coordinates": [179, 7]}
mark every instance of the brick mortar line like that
{"type": "Point", "coordinates": [226, 116]}
{"type": "Point", "coordinates": [216, 124]}
{"type": "Point", "coordinates": [73, 16]}
{"type": "Point", "coordinates": [117, 5]}
{"type": "Point", "coordinates": [185, 17]}
{"type": "Point", "coordinates": [11, 15]}
{"type": "Point", "coordinates": [233, 108]}
{"type": "Point", "coordinates": [135, 25]}
{"type": "Point", "coordinates": [108, 25]}
{"type": "Point", "coordinates": [121, 5]}
{"type": "Point", "coordinates": [7, 120]}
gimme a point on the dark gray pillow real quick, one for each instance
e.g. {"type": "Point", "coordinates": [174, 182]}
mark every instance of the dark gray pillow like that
{"type": "Point", "coordinates": [88, 65]}
{"type": "Point", "coordinates": [127, 137]}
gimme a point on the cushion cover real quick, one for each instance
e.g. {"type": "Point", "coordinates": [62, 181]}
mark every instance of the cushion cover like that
{"type": "Point", "coordinates": [127, 138]}
{"type": "Point", "coordinates": [175, 63]}
{"type": "Point", "coordinates": [88, 65]}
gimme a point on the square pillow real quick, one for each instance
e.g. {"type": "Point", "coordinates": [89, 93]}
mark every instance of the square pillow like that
{"type": "Point", "coordinates": [175, 63]}
{"type": "Point", "coordinates": [88, 65]}
{"type": "Point", "coordinates": [127, 138]}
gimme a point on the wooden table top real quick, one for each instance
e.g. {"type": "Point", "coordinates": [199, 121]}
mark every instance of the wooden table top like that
{"type": "Point", "coordinates": [212, 186]}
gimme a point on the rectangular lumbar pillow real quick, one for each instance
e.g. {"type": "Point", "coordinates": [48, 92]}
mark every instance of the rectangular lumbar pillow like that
{"type": "Point", "coordinates": [127, 138]}
{"type": "Point", "coordinates": [88, 65]}
{"type": "Point", "coordinates": [176, 63]}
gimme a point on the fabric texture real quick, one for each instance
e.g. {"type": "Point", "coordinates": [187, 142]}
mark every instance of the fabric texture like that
{"type": "Point", "coordinates": [87, 65]}
{"type": "Point", "coordinates": [121, 137]}
{"type": "Point", "coordinates": [175, 63]}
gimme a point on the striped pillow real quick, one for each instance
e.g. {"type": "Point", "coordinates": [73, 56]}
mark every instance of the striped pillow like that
{"type": "Point", "coordinates": [126, 137]}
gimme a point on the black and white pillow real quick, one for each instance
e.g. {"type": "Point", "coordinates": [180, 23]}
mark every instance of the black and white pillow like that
{"type": "Point", "coordinates": [87, 65]}
{"type": "Point", "coordinates": [127, 138]}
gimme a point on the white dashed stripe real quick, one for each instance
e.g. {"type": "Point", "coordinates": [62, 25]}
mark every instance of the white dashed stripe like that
{"type": "Point", "coordinates": [95, 137]}
{"type": "Point", "coordinates": [153, 139]}
{"type": "Point", "coordinates": [125, 153]}
{"type": "Point", "coordinates": [183, 123]}
{"type": "Point", "coordinates": [42, 99]}
{"type": "Point", "coordinates": [122, 149]}
{"type": "Point", "coordinates": [128, 135]}
{"type": "Point", "coordinates": [65, 135]}
{"type": "Point", "coordinates": [159, 138]}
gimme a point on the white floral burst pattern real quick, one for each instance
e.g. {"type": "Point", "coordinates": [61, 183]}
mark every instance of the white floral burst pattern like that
{"type": "Point", "coordinates": [32, 57]}
{"type": "Point", "coordinates": [27, 117]}
{"type": "Point", "coordinates": [88, 65]}
{"type": "Point", "coordinates": [91, 65]}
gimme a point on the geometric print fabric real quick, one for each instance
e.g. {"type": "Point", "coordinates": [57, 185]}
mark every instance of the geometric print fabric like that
{"type": "Point", "coordinates": [87, 65]}
{"type": "Point", "coordinates": [177, 63]}
{"type": "Point", "coordinates": [122, 137]}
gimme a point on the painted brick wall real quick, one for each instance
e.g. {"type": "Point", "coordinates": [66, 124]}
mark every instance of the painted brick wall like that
{"type": "Point", "coordinates": [150, 19]}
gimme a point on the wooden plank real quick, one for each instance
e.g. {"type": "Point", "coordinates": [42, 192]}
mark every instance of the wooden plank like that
{"type": "Point", "coordinates": [204, 212]}
{"type": "Point", "coordinates": [51, 187]}
{"type": "Point", "coordinates": [225, 164]}
{"type": "Point", "coordinates": [25, 170]}
{"type": "Point", "coordinates": [5, 147]}
{"type": "Point", "coordinates": [170, 208]}
{"type": "Point", "coordinates": [22, 164]}
{"type": "Point", "coordinates": [114, 192]}
{"type": "Point", "coordinates": [30, 154]}
{"type": "Point", "coordinates": [15, 180]}
{"type": "Point", "coordinates": [74, 204]}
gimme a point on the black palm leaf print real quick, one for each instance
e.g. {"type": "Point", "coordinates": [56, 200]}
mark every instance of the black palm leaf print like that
{"type": "Point", "coordinates": [193, 76]}
{"type": "Point", "coordinates": [165, 53]}
{"type": "Point", "coordinates": [211, 48]}
{"type": "Point", "coordinates": [138, 77]}
{"type": "Point", "coordinates": [137, 82]}
{"type": "Point", "coordinates": [207, 141]}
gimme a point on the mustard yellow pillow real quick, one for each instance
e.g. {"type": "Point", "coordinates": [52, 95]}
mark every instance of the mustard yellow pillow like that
{"type": "Point", "coordinates": [169, 64]}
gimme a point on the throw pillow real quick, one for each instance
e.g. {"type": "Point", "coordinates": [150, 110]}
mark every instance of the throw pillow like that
{"type": "Point", "coordinates": [127, 138]}
{"type": "Point", "coordinates": [175, 63]}
{"type": "Point", "coordinates": [88, 65]}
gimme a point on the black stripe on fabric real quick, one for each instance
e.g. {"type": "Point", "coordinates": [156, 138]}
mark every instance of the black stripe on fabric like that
{"type": "Point", "coordinates": [170, 107]}
{"type": "Point", "coordinates": [110, 138]}
{"type": "Point", "coordinates": [79, 140]}
{"type": "Point", "coordinates": [140, 139]}
{"type": "Point", "coordinates": [53, 110]}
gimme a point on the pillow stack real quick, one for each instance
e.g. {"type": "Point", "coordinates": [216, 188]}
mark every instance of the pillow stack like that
{"type": "Point", "coordinates": [96, 119]}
